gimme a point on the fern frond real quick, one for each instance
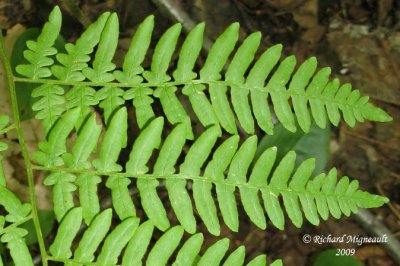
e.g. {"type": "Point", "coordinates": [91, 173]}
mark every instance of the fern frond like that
{"type": "Point", "coordinates": [74, 62]}
{"type": "Point", "coordinates": [135, 239]}
{"type": "Point", "coordinates": [309, 91]}
{"type": "Point", "coordinates": [221, 100]}
{"type": "Point", "coordinates": [17, 246]}
{"type": "Point", "coordinates": [110, 97]}
{"type": "Point", "coordinates": [132, 69]}
{"type": "Point", "coordinates": [40, 51]}
{"type": "Point", "coordinates": [300, 194]}
{"type": "Point", "coordinates": [173, 109]}
{"type": "Point", "coordinates": [50, 105]}
{"type": "Point", "coordinates": [78, 55]}
{"type": "Point", "coordinates": [4, 120]}
{"type": "Point", "coordinates": [16, 213]}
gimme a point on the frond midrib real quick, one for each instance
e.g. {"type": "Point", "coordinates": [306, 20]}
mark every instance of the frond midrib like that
{"type": "Point", "coordinates": [201, 179]}
{"type": "Point", "coordinates": [15, 225]}
{"type": "Point", "coordinates": [265, 89]}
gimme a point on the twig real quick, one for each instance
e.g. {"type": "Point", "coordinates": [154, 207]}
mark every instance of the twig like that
{"type": "Point", "coordinates": [375, 227]}
{"type": "Point", "coordinates": [175, 12]}
{"type": "Point", "coordinates": [77, 12]}
{"type": "Point", "coordinates": [370, 140]}
{"type": "Point", "coordinates": [391, 206]}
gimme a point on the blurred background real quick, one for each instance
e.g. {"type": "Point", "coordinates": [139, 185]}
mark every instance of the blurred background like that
{"type": "Point", "coordinates": [358, 39]}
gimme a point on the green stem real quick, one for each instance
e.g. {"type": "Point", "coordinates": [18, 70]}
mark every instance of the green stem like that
{"type": "Point", "coordinates": [9, 228]}
{"type": "Point", "coordinates": [71, 261]}
{"type": "Point", "coordinates": [77, 12]}
{"type": "Point", "coordinates": [270, 90]}
{"type": "Point", "coordinates": [223, 182]}
{"type": "Point", "coordinates": [5, 130]}
{"type": "Point", "coordinates": [24, 150]}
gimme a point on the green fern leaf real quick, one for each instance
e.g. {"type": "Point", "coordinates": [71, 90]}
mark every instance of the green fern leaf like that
{"type": "Point", "coordinates": [258, 261]}
{"type": "Point", "coordinates": [216, 59]}
{"type": "Point", "coordinates": [142, 102]}
{"type": "Point", "coordinates": [51, 150]}
{"type": "Point", "coordinates": [40, 50]}
{"type": "Point", "coordinates": [110, 97]}
{"type": "Point", "coordinates": [215, 169]}
{"type": "Point", "coordinates": [235, 73]}
{"type": "Point", "coordinates": [315, 88]}
{"type": "Point", "coordinates": [93, 236]}
{"type": "Point", "coordinates": [81, 97]}
{"type": "Point", "coordinates": [112, 143]}
{"type": "Point", "coordinates": [50, 104]}
{"type": "Point", "coordinates": [215, 253]}
{"type": "Point", "coordinates": [236, 257]}
{"type": "Point", "coordinates": [88, 199]}
{"type": "Point", "coordinates": [188, 55]}
{"type": "Point", "coordinates": [83, 146]}
{"type": "Point", "coordinates": [16, 210]}
{"type": "Point", "coordinates": [228, 101]}
{"type": "Point", "coordinates": [165, 246]}
{"type": "Point", "coordinates": [187, 254]}
{"type": "Point", "coordinates": [116, 241]}
{"type": "Point", "coordinates": [131, 70]}
{"type": "Point", "coordinates": [297, 86]}
{"type": "Point", "coordinates": [69, 227]}
{"type": "Point", "coordinates": [305, 91]}
{"type": "Point", "coordinates": [78, 55]}
{"type": "Point", "coordinates": [138, 244]}
{"type": "Point", "coordinates": [194, 160]}
{"type": "Point", "coordinates": [111, 146]}
{"type": "Point", "coordinates": [121, 198]}
{"type": "Point", "coordinates": [17, 246]}
{"type": "Point", "coordinates": [137, 51]}
{"type": "Point", "coordinates": [256, 79]}
{"type": "Point", "coordinates": [148, 140]}
{"type": "Point", "coordinates": [172, 107]}
{"type": "Point", "coordinates": [63, 186]}
{"type": "Point", "coordinates": [14, 213]}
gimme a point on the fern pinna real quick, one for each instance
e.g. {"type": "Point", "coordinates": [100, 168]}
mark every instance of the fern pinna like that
{"type": "Point", "coordinates": [73, 86]}
{"type": "Point", "coordinates": [16, 213]}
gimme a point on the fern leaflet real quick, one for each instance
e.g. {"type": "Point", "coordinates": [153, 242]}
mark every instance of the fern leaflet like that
{"type": "Point", "coordinates": [72, 86]}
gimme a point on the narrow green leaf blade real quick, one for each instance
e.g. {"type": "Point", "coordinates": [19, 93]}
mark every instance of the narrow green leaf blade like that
{"type": "Point", "coordinates": [187, 254]}
{"type": "Point", "coordinates": [235, 73]}
{"type": "Point", "coordinates": [297, 85]}
{"type": "Point", "coordinates": [162, 55]}
{"type": "Point", "coordinates": [114, 140]}
{"type": "Point", "coordinates": [236, 258]}
{"type": "Point", "coordinates": [66, 233]}
{"type": "Point", "coordinates": [219, 53]}
{"type": "Point", "coordinates": [215, 253]}
{"type": "Point", "coordinates": [138, 244]}
{"type": "Point", "coordinates": [164, 247]}
{"type": "Point", "coordinates": [189, 52]}
{"type": "Point", "coordinates": [93, 236]}
{"type": "Point", "coordinates": [279, 94]}
{"type": "Point", "coordinates": [116, 241]}
{"type": "Point", "coordinates": [260, 260]}
{"type": "Point", "coordinates": [255, 81]}
{"type": "Point", "coordinates": [148, 140]}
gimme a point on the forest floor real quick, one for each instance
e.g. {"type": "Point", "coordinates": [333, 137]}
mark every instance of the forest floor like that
{"type": "Point", "coordinates": [358, 39]}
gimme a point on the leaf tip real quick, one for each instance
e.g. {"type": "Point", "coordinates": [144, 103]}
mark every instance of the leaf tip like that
{"type": "Point", "coordinates": [374, 113]}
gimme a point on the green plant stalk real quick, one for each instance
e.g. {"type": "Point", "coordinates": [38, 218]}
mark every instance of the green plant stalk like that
{"type": "Point", "coordinates": [70, 261]}
{"type": "Point", "coordinates": [167, 84]}
{"type": "Point", "coordinates": [9, 128]}
{"type": "Point", "coordinates": [21, 139]}
{"type": "Point", "coordinates": [180, 177]}
{"type": "Point", "coordinates": [14, 225]}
